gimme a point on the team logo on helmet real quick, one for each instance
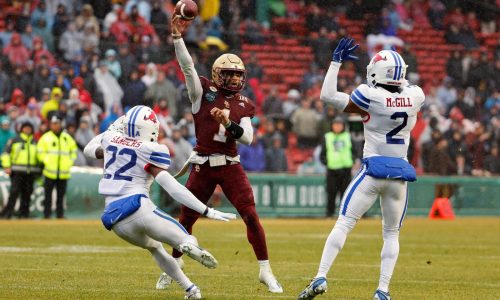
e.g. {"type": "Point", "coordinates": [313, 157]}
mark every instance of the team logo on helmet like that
{"type": "Point", "coordinates": [378, 57]}
{"type": "Point", "coordinates": [151, 117]}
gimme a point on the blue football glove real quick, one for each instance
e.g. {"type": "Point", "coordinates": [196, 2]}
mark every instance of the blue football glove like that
{"type": "Point", "coordinates": [345, 50]}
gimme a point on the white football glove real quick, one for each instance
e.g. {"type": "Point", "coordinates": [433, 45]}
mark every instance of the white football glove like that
{"type": "Point", "coordinates": [118, 125]}
{"type": "Point", "coordinates": [219, 215]}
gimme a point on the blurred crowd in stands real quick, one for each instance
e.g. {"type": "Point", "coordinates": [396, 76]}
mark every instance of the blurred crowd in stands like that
{"type": "Point", "coordinates": [90, 61]}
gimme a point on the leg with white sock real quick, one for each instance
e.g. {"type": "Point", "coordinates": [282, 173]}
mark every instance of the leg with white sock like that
{"type": "Point", "coordinates": [169, 265]}
{"type": "Point", "coordinates": [334, 244]}
{"type": "Point", "coordinates": [393, 203]}
{"type": "Point", "coordinates": [162, 227]}
{"type": "Point", "coordinates": [358, 198]}
{"type": "Point", "coordinates": [134, 232]}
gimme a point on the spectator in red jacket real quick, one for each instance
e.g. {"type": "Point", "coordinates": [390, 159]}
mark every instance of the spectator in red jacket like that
{"type": "Point", "coordinates": [15, 51]}
{"type": "Point", "coordinates": [39, 51]}
{"type": "Point", "coordinates": [85, 97]}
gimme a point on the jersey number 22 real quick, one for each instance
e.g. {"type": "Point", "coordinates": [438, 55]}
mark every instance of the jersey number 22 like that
{"type": "Point", "coordinates": [118, 174]}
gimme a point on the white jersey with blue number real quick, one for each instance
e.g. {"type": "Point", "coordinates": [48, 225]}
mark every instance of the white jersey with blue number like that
{"type": "Point", "coordinates": [125, 164]}
{"type": "Point", "coordinates": [391, 117]}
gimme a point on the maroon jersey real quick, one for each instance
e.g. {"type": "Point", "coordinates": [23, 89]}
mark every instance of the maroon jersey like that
{"type": "Point", "coordinates": [211, 136]}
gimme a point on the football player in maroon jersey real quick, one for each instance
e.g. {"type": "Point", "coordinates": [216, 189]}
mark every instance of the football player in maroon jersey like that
{"type": "Point", "coordinates": [222, 117]}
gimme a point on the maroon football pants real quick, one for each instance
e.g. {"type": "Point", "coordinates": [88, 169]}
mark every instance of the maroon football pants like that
{"type": "Point", "coordinates": [235, 185]}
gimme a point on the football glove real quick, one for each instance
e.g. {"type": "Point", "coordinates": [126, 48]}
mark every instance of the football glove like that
{"type": "Point", "coordinates": [345, 50]}
{"type": "Point", "coordinates": [118, 125]}
{"type": "Point", "coordinates": [219, 215]}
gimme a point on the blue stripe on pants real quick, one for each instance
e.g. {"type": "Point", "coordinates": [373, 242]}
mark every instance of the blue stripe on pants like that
{"type": "Point", "coordinates": [163, 215]}
{"type": "Point", "coordinates": [406, 206]}
{"type": "Point", "coordinates": [354, 186]}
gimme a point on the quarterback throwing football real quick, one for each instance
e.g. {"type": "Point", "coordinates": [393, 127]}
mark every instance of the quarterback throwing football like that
{"type": "Point", "coordinates": [221, 117]}
{"type": "Point", "coordinates": [389, 107]}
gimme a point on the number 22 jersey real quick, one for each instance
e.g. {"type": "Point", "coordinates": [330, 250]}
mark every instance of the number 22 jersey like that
{"type": "Point", "coordinates": [390, 118]}
{"type": "Point", "coordinates": [125, 163]}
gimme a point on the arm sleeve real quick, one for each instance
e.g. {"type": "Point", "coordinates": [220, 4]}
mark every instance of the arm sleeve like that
{"type": "Point", "coordinates": [179, 192]}
{"type": "Point", "coordinates": [92, 146]}
{"type": "Point", "coordinates": [247, 137]}
{"type": "Point", "coordinates": [329, 93]}
{"type": "Point", "coordinates": [193, 83]}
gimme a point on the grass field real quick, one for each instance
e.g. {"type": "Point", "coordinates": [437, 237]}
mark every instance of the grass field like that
{"type": "Point", "coordinates": [81, 260]}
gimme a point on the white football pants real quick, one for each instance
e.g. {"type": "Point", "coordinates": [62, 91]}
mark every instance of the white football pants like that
{"type": "Point", "coordinates": [360, 195]}
{"type": "Point", "coordinates": [148, 228]}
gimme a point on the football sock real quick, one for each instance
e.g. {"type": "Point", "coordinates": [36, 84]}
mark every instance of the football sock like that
{"type": "Point", "coordinates": [334, 244]}
{"type": "Point", "coordinates": [264, 265]}
{"type": "Point", "coordinates": [169, 265]}
{"type": "Point", "coordinates": [255, 233]}
{"type": "Point", "coordinates": [389, 257]}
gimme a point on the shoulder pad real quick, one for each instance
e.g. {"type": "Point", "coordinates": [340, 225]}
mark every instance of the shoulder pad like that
{"type": "Point", "coordinates": [361, 96]}
{"type": "Point", "coordinates": [157, 154]}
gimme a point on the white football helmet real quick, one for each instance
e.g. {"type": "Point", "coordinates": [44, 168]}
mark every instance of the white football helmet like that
{"type": "Point", "coordinates": [386, 67]}
{"type": "Point", "coordinates": [141, 124]}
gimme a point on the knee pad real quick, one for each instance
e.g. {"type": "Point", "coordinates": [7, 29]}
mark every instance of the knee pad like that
{"type": "Point", "coordinates": [346, 224]}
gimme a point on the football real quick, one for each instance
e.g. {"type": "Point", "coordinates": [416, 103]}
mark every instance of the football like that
{"type": "Point", "coordinates": [187, 9]}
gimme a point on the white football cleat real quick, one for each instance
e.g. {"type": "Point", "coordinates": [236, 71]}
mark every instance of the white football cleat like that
{"type": "Point", "coordinates": [267, 278]}
{"type": "Point", "coordinates": [200, 255]}
{"type": "Point", "coordinates": [317, 287]}
{"type": "Point", "coordinates": [193, 292]}
{"type": "Point", "coordinates": [165, 280]}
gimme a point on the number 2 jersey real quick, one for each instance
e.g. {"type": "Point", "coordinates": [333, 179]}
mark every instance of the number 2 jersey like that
{"type": "Point", "coordinates": [125, 163]}
{"type": "Point", "coordinates": [390, 119]}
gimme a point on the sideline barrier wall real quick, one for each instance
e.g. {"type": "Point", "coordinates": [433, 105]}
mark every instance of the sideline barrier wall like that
{"type": "Point", "coordinates": [282, 195]}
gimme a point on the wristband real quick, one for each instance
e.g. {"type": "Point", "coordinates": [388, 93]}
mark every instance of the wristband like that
{"type": "Point", "coordinates": [205, 213]}
{"type": "Point", "coordinates": [176, 36]}
{"type": "Point", "coordinates": [234, 129]}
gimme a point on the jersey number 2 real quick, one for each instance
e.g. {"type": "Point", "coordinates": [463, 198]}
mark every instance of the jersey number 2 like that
{"type": "Point", "coordinates": [125, 151]}
{"type": "Point", "coordinates": [389, 137]}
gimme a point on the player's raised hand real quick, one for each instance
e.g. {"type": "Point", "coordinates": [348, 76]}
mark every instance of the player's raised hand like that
{"type": "Point", "coordinates": [345, 50]}
{"type": "Point", "coordinates": [178, 26]}
{"type": "Point", "coordinates": [219, 215]}
{"type": "Point", "coordinates": [220, 116]}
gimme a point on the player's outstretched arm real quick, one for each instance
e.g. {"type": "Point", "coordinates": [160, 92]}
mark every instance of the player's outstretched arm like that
{"type": "Point", "coordinates": [182, 195]}
{"type": "Point", "coordinates": [185, 60]}
{"type": "Point", "coordinates": [329, 93]}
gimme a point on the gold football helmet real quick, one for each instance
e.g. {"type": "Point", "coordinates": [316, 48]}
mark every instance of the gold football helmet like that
{"type": "Point", "coordinates": [228, 73]}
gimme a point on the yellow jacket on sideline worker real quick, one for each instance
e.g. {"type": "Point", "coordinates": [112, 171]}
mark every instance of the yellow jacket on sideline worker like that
{"type": "Point", "coordinates": [57, 152]}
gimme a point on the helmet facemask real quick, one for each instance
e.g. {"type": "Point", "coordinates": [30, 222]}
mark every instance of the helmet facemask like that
{"type": "Point", "coordinates": [225, 73]}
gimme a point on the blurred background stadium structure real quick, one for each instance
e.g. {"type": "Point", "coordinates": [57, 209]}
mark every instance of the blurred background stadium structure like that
{"type": "Point", "coordinates": [107, 56]}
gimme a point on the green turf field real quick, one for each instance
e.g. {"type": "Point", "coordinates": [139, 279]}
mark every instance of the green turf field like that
{"type": "Point", "coordinates": [81, 260]}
